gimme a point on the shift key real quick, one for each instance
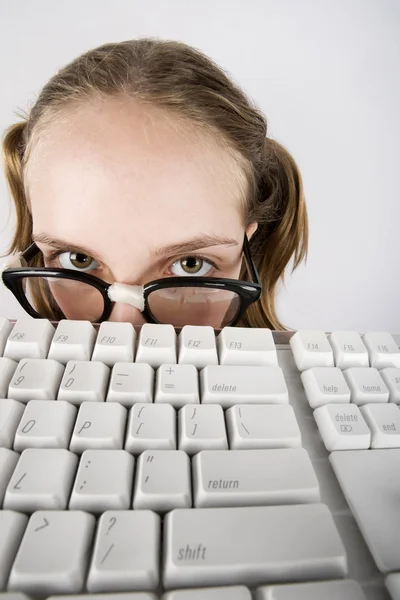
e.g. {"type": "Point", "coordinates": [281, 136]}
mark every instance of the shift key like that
{"type": "Point", "coordinates": [251, 546]}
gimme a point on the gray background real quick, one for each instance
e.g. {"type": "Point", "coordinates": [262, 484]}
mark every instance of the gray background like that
{"type": "Point", "coordinates": [326, 74]}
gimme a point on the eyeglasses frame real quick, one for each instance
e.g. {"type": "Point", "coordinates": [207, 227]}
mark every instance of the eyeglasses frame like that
{"type": "Point", "coordinates": [248, 291]}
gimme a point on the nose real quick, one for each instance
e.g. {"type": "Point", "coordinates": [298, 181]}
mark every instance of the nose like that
{"type": "Point", "coordinates": [122, 312]}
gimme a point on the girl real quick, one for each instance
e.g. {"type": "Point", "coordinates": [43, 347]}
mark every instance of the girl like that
{"type": "Point", "coordinates": [146, 189]}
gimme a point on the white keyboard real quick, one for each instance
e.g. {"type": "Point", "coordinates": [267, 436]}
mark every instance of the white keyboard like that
{"type": "Point", "coordinates": [198, 464]}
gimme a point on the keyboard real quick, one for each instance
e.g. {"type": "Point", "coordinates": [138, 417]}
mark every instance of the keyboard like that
{"type": "Point", "coordinates": [234, 464]}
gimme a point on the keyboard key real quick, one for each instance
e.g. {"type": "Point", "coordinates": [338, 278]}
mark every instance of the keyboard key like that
{"type": "Point", "coordinates": [104, 481]}
{"type": "Point", "coordinates": [42, 480]}
{"type": "Point", "coordinates": [391, 377]}
{"type": "Point", "coordinates": [366, 385]}
{"type": "Point", "coordinates": [30, 338]}
{"type": "Point", "coordinates": [237, 592]}
{"type": "Point", "coordinates": [36, 379]}
{"type": "Point", "coordinates": [382, 349]}
{"type": "Point", "coordinates": [371, 484]}
{"type": "Point", "coordinates": [5, 330]}
{"type": "Point", "coordinates": [177, 385]}
{"type": "Point", "coordinates": [348, 349]}
{"type": "Point", "coordinates": [393, 585]}
{"type": "Point", "coordinates": [342, 427]}
{"type": "Point", "coordinates": [262, 426]}
{"type": "Point", "coordinates": [311, 349]}
{"type": "Point", "coordinates": [163, 481]}
{"type": "Point", "coordinates": [325, 384]}
{"type": "Point", "coordinates": [384, 423]}
{"type": "Point", "coordinates": [53, 554]}
{"type": "Point", "coordinates": [131, 383]}
{"type": "Point", "coordinates": [202, 428]}
{"type": "Point", "coordinates": [112, 596]}
{"type": "Point", "coordinates": [126, 552]}
{"type": "Point", "coordinates": [151, 427]}
{"type": "Point", "coordinates": [319, 590]}
{"type": "Point", "coordinates": [253, 477]}
{"type": "Point", "coordinates": [157, 345]}
{"type": "Point", "coordinates": [228, 385]}
{"type": "Point", "coordinates": [11, 412]}
{"type": "Point", "coordinates": [45, 424]}
{"type": "Point", "coordinates": [99, 425]}
{"type": "Point", "coordinates": [266, 543]}
{"type": "Point", "coordinates": [84, 381]}
{"type": "Point", "coordinates": [197, 346]}
{"type": "Point", "coordinates": [73, 340]}
{"type": "Point", "coordinates": [8, 462]}
{"type": "Point", "coordinates": [115, 343]}
{"type": "Point", "coordinates": [245, 346]}
{"type": "Point", "coordinates": [12, 527]}
{"type": "Point", "coordinates": [7, 370]}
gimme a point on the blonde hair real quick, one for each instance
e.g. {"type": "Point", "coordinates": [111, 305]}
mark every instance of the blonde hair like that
{"type": "Point", "coordinates": [190, 86]}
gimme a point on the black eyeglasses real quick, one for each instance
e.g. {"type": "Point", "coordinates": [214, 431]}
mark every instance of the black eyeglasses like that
{"type": "Point", "coordinates": [55, 294]}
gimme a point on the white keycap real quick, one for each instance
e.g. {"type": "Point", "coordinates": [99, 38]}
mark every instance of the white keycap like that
{"type": "Point", "coordinates": [84, 380]}
{"type": "Point", "coordinates": [111, 596]}
{"type": "Point", "coordinates": [383, 350]}
{"type": "Point", "coordinates": [371, 485]}
{"type": "Point", "coordinates": [324, 385]}
{"type": "Point", "coordinates": [36, 379]}
{"type": "Point", "coordinates": [12, 527]}
{"type": "Point", "coordinates": [177, 385]}
{"type": "Point", "coordinates": [131, 383]}
{"type": "Point", "coordinates": [99, 425]}
{"type": "Point", "coordinates": [391, 377]}
{"type": "Point", "coordinates": [245, 346]}
{"type": "Point", "coordinates": [348, 349]}
{"type": "Point", "coordinates": [5, 330]}
{"type": "Point", "coordinates": [30, 338]}
{"type": "Point", "coordinates": [45, 424]}
{"type": "Point", "coordinates": [197, 346]}
{"type": "Point", "coordinates": [8, 462]}
{"type": "Point", "coordinates": [157, 345]}
{"type": "Point", "coordinates": [53, 554]}
{"type": "Point", "coordinates": [262, 426]}
{"type": "Point", "coordinates": [104, 481]}
{"type": "Point", "coordinates": [10, 415]}
{"type": "Point", "coordinates": [202, 428]}
{"type": "Point", "coordinates": [311, 349]}
{"type": "Point", "coordinates": [228, 385]}
{"type": "Point", "coordinates": [231, 592]}
{"type": "Point", "coordinates": [366, 385]}
{"type": "Point", "coordinates": [342, 427]}
{"type": "Point", "coordinates": [384, 423]}
{"type": "Point", "coordinates": [115, 343]}
{"type": "Point", "coordinates": [318, 590]}
{"type": "Point", "coordinates": [253, 477]}
{"type": "Point", "coordinates": [266, 543]}
{"type": "Point", "coordinates": [151, 427]}
{"type": "Point", "coordinates": [42, 479]}
{"type": "Point", "coordinates": [392, 582]}
{"type": "Point", "coordinates": [73, 340]}
{"type": "Point", "coordinates": [126, 552]}
{"type": "Point", "coordinates": [163, 481]}
{"type": "Point", "coordinates": [7, 369]}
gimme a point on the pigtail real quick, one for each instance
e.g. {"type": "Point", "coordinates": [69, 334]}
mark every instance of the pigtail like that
{"type": "Point", "coordinates": [282, 230]}
{"type": "Point", "coordinates": [13, 152]}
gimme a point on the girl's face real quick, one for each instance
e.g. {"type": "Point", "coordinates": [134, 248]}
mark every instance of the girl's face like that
{"type": "Point", "coordinates": [119, 190]}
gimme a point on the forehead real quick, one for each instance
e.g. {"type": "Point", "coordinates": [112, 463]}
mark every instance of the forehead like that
{"type": "Point", "coordinates": [117, 172]}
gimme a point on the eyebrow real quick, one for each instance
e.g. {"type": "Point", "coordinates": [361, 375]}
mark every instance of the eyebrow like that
{"type": "Point", "coordinates": [200, 241]}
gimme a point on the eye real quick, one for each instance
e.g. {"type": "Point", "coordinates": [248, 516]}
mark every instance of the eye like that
{"type": "Point", "coordinates": [78, 261]}
{"type": "Point", "coordinates": [192, 265]}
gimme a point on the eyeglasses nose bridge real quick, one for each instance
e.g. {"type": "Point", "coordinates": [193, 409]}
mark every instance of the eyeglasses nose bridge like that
{"type": "Point", "coordinates": [129, 294]}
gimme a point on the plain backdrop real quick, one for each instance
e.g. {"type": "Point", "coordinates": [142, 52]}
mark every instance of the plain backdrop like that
{"type": "Point", "coordinates": [326, 75]}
